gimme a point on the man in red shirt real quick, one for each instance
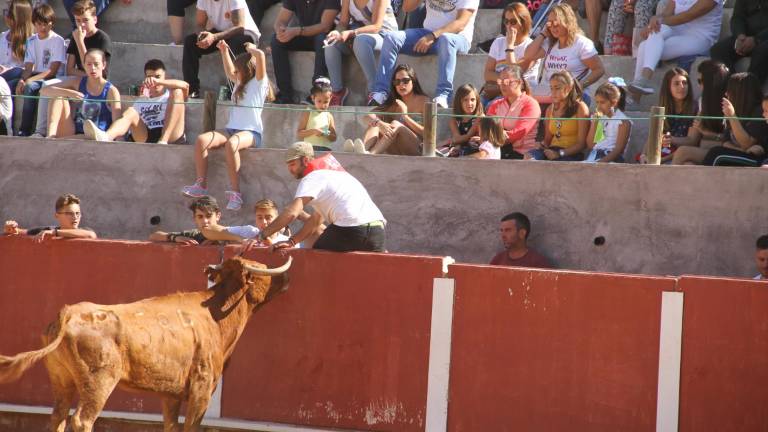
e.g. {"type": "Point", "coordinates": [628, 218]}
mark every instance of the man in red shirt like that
{"type": "Point", "coordinates": [514, 230]}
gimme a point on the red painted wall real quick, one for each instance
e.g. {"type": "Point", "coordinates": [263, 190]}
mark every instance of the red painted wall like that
{"type": "Point", "coordinates": [724, 375]}
{"type": "Point", "coordinates": [553, 351]}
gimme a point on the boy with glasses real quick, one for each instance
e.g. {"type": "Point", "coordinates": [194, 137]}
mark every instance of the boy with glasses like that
{"type": "Point", "coordinates": [67, 215]}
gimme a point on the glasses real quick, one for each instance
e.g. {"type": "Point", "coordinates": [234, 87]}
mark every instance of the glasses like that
{"type": "Point", "coordinates": [506, 81]}
{"type": "Point", "coordinates": [511, 22]}
{"type": "Point", "coordinates": [398, 81]}
{"type": "Point", "coordinates": [70, 214]}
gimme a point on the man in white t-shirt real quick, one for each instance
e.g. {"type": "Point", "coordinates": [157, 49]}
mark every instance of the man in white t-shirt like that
{"type": "Point", "coordinates": [157, 116]}
{"type": "Point", "coordinates": [761, 257]}
{"type": "Point", "coordinates": [447, 31]}
{"type": "Point", "coordinates": [354, 223]}
{"type": "Point", "coordinates": [217, 20]}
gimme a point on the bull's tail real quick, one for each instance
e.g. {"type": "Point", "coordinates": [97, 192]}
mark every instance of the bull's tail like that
{"type": "Point", "coordinates": [12, 368]}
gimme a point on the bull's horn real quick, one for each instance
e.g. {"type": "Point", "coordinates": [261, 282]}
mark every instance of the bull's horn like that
{"type": "Point", "coordinates": [214, 266]}
{"type": "Point", "coordinates": [268, 271]}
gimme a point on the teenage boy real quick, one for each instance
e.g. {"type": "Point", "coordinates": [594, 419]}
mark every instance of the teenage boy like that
{"type": "Point", "coordinates": [158, 118]}
{"type": "Point", "coordinates": [313, 20]}
{"type": "Point", "coordinates": [265, 211]}
{"type": "Point", "coordinates": [206, 214]}
{"type": "Point", "coordinates": [216, 20]}
{"type": "Point", "coordinates": [67, 215]}
{"type": "Point", "coordinates": [44, 60]}
{"type": "Point", "coordinates": [85, 37]}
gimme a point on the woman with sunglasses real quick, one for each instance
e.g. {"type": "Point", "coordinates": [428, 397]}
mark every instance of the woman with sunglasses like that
{"type": "Point", "coordinates": [520, 113]}
{"type": "Point", "coordinates": [18, 18]}
{"type": "Point", "coordinates": [564, 47]}
{"type": "Point", "coordinates": [509, 50]}
{"type": "Point", "coordinates": [564, 139]}
{"type": "Point", "coordinates": [398, 129]}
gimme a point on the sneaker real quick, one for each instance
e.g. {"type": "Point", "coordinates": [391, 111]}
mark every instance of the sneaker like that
{"type": "Point", "coordinates": [234, 200]}
{"type": "Point", "coordinates": [349, 146]}
{"type": "Point", "coordinates": [94, 133]}
{"type": "Point", "coordinates": [37, 135]}
{"type": "Point", "coordinates": [441, 101]}
{"type": "Point", "coordinates": [642, 85]}
{"type": "Point", "coordinates": [376, 98]}
{"type": "Point", "coordinates": [284, 100]}
{"type": "Point", "coordinates": [359, 146]}
{"type": "Point", "coordinates": [338, 97]}
{"type": "Point", "coordinates": [196, 190]}
{"type": "Point", "coordinates": [194, 93]}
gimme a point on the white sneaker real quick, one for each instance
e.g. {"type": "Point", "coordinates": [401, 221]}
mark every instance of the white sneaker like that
{"type": "Point", "coordinates": [37, 135]}
{"type": "Point", "coordinates": [349, 146]}
{"type": "Point", "coordinates": [441, 101]}
{"type": "Point", "coordinates": [93, 132]}
{"type": "Point", "coordinates": [360, 147]}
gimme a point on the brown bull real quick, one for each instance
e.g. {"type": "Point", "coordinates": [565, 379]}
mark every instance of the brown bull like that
{"type": "Point", "coordinates": [175, 345]}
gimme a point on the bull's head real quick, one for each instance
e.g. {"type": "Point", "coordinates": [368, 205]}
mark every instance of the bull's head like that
{"type": "Point", "coordinates": [238, 278]}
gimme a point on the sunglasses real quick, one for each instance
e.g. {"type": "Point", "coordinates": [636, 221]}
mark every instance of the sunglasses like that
{"type": "Point", "coordinates": [398, 81]}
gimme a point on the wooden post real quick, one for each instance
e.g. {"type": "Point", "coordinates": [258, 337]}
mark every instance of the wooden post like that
{"type": "Point", "coordinates": [655, 134]}
{"type": "Point", "coordinates": [430, 129]}
{"type": "Point", "coordinates": [209, 111]}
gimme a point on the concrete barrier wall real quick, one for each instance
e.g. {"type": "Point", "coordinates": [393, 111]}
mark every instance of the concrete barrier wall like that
{"type": "Point", "coordinates": [535, 350]}
{"type": "Point", "coordinates": [654, 220]}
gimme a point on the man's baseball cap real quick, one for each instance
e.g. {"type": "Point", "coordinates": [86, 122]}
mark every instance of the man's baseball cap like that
{"type": "Point", "coordinates": [299, 149]}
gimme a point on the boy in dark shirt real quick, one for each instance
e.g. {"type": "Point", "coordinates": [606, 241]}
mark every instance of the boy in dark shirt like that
{"type": "Point", "coordinates": [68, 216]}
{"type": "Point", "coordinates": [206, 213]}
{"type": "Point", "coordinates": [85, 36]}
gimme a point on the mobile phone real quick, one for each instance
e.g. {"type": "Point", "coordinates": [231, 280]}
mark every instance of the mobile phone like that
{"type": "Point", "coordinates": [326, 44]}
{"type": "Point", "coordinates": [200, 36]}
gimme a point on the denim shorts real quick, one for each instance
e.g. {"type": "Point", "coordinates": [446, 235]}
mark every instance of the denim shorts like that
{"type": "Point", "coordinates": [256, 136]}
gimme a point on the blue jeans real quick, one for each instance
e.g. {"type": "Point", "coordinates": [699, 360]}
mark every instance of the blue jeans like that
{"type": "Point", "coordinates": [364, 47]}
{"type": "Point", "coordinates": [12, 77]}
{"type": "Point", "coordinates": [446, 47]}
{"type": "Point", "coordinates": [29, 111]}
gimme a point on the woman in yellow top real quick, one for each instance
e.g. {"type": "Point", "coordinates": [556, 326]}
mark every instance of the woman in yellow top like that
{"type": "Point", "coordinates": [316, 126]}
{"type": "Point", "coordinates": [564, 140]}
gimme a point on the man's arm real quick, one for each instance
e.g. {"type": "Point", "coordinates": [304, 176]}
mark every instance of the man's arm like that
{"type": "Point", "coordinates": [325, 24]}
{"type": "Point", "coordinates": [75, 233]}
{"type": "Point", "coordinates": [291, 212]}
{"type": "Point", "coordinates": [238, 26]}
{"type": "Point", "coordinates": [457, 25]}
{"type": "Point", "coordinates": [201, 20]}
{"type": "Point", "coordinates": [220, 233]}
{"type": "Point", "coordinates": [172, 237]}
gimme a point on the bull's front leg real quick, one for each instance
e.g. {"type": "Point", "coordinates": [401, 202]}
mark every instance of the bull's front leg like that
{"type": "Point", "coordinates": [171, 408]}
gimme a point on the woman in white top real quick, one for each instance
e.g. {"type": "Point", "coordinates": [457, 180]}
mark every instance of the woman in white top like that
{"type": "Point", "coordinates": [685, 27]}
{"type": "Point", "coordinates": [563, 46]}
{"type": "Point", "coordinates": [361, 24]}
{"type": "Point", "coordinates": [244, 128]}
{"type": "Point", "coordinates": [13, 42]}
{"type": "Point", "coordinates": [510, 49]}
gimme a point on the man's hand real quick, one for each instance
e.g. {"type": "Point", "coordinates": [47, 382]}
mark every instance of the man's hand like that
{"type": "Point", "coordinates": [185, 240]}
{"type": "Point", "coordinates": [287, 34]}
{"type": "Point", "coordinates": [281, 245]}
{"type": "Point", "coordinates": [78, 35]}
{"type": "Point", "coordinates": [423, 44]}
{"type": "Point", "coordinates": [11, 227]}
{"type": "Point", "coordinates": [205, 39]}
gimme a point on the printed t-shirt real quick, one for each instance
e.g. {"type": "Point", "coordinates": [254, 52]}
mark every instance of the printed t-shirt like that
{"type": "Point", "coordinates": [442, 12]}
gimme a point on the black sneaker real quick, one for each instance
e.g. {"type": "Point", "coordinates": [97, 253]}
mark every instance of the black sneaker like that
{"type": "Point", "coordinates": [284, 100]}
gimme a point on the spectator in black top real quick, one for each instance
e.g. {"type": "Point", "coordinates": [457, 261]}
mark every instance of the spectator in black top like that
{"type": "Point", "coordinates": [67, 215]}
{"type": "Point", "coordinates": [746, 140]}
{"type": "Point", "coordinates": [100, 5]}
{"type": "Point", "coordinates": [217, 20]}
{"type": "Point", "coordinates": [85, 37]}
{"type": "Point", "coordinates": [749, 38]}
{"type": "Point", "coordinates": [206, 213]}
{"type": "Point", "coordinates": [315, 20]}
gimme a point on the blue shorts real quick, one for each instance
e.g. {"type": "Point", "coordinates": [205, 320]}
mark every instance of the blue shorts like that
{"type": "Point", "coordinates": [256, 136]}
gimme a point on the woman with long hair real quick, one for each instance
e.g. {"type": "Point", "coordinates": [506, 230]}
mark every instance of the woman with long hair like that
{"type": "Point", "coordinates": [398, 129]}
{"type": "Point", "coordinates": [676, 96]}
{"type": "Point", "coordinates": [13, 42]}
{"type": "Point", "coordinates": [745, 140]}
{"type": "Point", "coordinates": [564, 47]}
{"type": "Point", "coordinates": [707, 130]}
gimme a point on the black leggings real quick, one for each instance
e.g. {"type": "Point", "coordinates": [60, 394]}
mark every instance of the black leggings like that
{"type": "Point", "coordinates": [177, 7]}
{"type": "Point", "coordinates": [349, 239]}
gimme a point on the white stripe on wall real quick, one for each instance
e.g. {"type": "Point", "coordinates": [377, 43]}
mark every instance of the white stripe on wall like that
{"type": "Point", "coordinates": [670, 347]}
{"type": "Point", "coordinates": [439, 355]}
